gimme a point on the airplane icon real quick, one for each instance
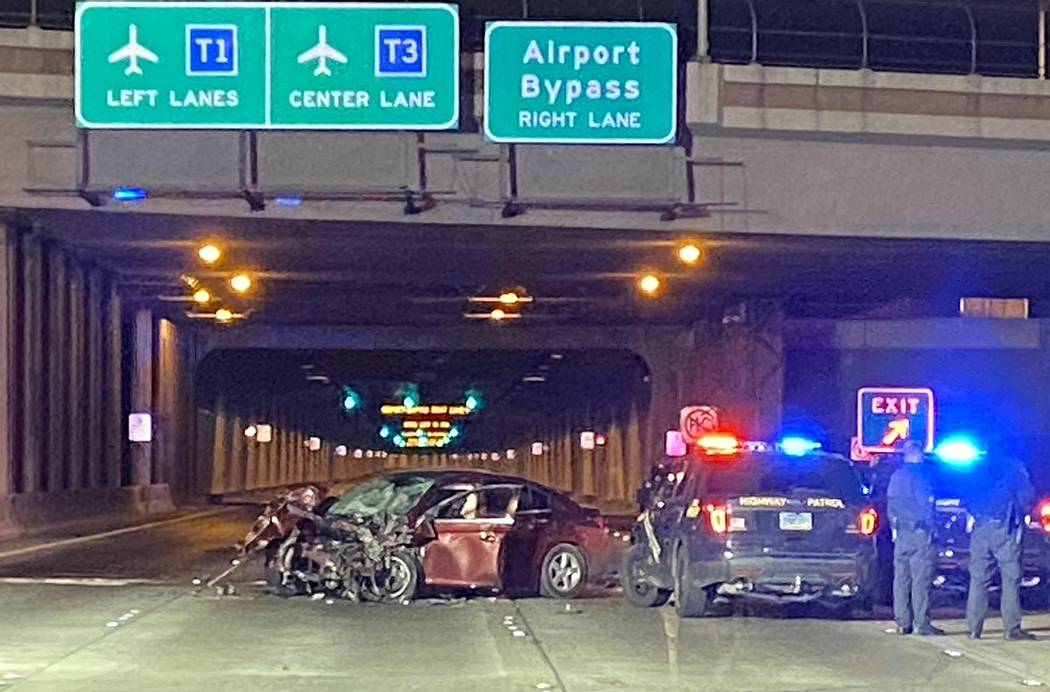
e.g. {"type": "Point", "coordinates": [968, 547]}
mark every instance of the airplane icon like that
{"type": "Point", "coordinates": [322, 53]}
{"type": "Point", "coordinates": [133, 51]}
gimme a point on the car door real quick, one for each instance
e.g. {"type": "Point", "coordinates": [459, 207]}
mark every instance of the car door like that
{"type": "Point", "coordinates": [470, 529]}
{"type": "Point", "coordinates": [530, 534]}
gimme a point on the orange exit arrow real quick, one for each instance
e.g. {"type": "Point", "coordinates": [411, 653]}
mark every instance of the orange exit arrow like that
{"type": "Point", "coordinates": [898, 431]}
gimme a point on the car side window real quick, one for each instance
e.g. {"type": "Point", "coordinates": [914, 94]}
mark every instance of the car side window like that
{"type": "Point", "coordinates": [533, 500]}
{"type": "Point", "coordinates": [440, 495]}
{"type": "Point", "coordinates": [458, 508]}
{"type": "Point", "coordinates": [495, 503]}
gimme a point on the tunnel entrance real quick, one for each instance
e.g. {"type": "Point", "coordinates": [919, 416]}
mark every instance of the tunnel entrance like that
{"type": "Point", "coordinates": [571, 419]}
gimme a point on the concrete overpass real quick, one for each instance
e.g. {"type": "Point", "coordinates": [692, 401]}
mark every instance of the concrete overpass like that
{"type": "Point", "coordinates": [818, 194]}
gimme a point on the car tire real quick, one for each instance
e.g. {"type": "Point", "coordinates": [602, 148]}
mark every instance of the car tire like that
{"type": "Point", "coordinates": [690, 601]}
{"type": "Point", "coordinates": [637, 590]}
{"type": "Point", "coordinates": [404, 578]}
{"type": "Point", "coordinates": [563, 573]}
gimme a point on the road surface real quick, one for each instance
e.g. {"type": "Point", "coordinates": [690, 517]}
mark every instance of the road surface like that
{"type": "Point", "coordinates": [118, 613]}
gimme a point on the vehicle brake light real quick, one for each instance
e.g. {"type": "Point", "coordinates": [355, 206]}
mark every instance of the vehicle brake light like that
{"type": "Point", "coordinates": [868, 522]}
{"type": "Point", "coordinates": [1044, 515]}
{"type": "Point", "coordinates": [715, 514]}
{"type": "Point", "coordinates": [719, 443]}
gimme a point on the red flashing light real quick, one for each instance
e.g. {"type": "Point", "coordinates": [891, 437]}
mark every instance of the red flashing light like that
{"type": "Point", "coordinates": [716, 516]}
{"type": "Point", "coordinates": [868, 522]}
{"type": "Point", "coordinates": [1044, 515]}
{"type": "Point", "coordinates": [719, 443]}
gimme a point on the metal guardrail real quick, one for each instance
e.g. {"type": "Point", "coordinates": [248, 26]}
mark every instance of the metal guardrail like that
{"type": "Point", "coordinates": [988, 37]}
{"type": "Point", "coordinates": [58, 14]}
{"type": "Point", "coordinates": [999, 39]}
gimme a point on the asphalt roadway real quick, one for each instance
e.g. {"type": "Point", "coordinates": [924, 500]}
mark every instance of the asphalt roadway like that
{"type": "Point", "coordinates": [119, 613]}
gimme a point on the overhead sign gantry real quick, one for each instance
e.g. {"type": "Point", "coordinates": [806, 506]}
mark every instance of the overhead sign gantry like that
{"type": "Point", "coordinates": [254, 65]}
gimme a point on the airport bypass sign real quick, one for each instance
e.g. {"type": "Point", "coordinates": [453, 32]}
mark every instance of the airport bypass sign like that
{"type": "Point", "coordinates": [256, 65]}
{"type": "Point", "coordinates": [581, 82]}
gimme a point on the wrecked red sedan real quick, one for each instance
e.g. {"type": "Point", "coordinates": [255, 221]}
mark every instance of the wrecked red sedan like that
{"type": "Point", "coordinates": [405, 532]}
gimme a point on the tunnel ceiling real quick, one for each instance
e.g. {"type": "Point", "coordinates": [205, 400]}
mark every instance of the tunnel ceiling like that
{"type": "Point", "coordinates": [341, 273]}
{"type": "Point", "coordinates": [523, 392]}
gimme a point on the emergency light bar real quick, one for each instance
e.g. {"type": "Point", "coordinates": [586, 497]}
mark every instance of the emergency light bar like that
{"type": "Point", "coordinates": [726, 444]}
{"type": "Point", "coordinates": [958, 451]}
{"type": "Point", "coordinates": [797, 446]}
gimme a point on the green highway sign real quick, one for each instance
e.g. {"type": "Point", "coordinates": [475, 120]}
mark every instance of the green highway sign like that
{"type": "Point", "coordinates": [256, 65]}
{"type": "Point", "coordinates": [581, 82]}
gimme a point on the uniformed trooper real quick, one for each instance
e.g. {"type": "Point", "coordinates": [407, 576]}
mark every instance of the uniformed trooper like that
{"type": "Point", "coordinates": [911, 507]}
{"type": "Point", "coordinates": [998, 505]}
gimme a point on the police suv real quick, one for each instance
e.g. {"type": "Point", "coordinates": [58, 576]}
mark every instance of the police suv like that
{"type": "Point", "coordinates": [950, 469]}
{"type": "Point", "coordinates": [753, 521]}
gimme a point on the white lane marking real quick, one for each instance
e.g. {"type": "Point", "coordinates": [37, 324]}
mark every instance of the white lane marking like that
{"type": "Point", "coordinates": [107, 534]}
{"type": "Point", "coordinates": [81, 581]}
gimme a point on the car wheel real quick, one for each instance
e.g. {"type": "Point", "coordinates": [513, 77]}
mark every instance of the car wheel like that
{"type": "Point", "coordinates": [564, 572]}
{"type": "Point", "coordinates": [402, 578]}
{"type": "Point", "coordinates": [690, 601]}
{"type": "Point", "coordinates": [634, 572]}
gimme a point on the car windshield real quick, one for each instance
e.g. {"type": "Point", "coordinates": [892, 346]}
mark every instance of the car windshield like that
{"type": "Point", "coordinates": [389, 494]}
{"type": "Point", "coordinates": [782, 475]}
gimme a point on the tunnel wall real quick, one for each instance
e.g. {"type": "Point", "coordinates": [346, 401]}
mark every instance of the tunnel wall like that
{"type": "Point", "coordinates": [235, 463]}
{"type": "Point", "coordinates": [735, 365]}
{"type": "Point", "coordinates": [67, 376]}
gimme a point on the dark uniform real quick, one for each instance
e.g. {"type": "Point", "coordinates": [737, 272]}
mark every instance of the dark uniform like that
{"type": "Point", "coordinates": [998, 506]}
{"type": "Point", "coordinates": [911, 507]}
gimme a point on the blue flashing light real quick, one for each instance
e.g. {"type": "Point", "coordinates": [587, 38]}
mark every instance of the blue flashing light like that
{"type": "Point", "coordinates": [384, 432]}
{"type": "Point", "coordinates": [130, 194]}
{"type": "Point", "coordinates": [288, 202]}
{"type": "Point", "coordinates": [410, 401]}
{"type": "Point", "coordinates": [958, 451]}
{"type": "Point", "coordinates": [798, 446]}
{"type": "Point", "coordinates": [453, 432]}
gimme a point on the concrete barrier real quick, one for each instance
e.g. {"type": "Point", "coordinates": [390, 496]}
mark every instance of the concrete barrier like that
{"type": "Point", "coordinates": [31, 513]}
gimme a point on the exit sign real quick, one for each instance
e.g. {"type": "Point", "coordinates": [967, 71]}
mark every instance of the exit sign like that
{"type": "Point", "coordinates": [887, 417]}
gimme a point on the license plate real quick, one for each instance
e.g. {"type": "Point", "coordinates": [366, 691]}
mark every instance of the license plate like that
{"type": "Point", "coordinates": [796, 521]}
